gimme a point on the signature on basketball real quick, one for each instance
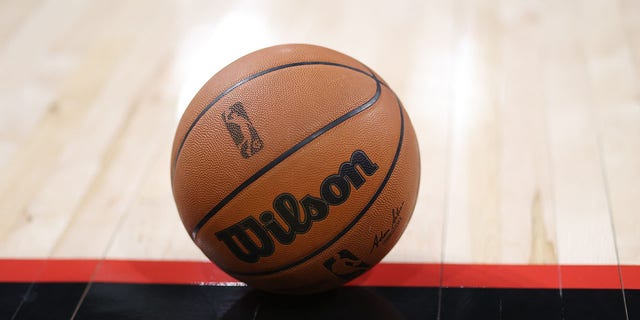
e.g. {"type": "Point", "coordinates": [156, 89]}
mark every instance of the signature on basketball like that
{"type": "Point", "coordinates": [383, 236]}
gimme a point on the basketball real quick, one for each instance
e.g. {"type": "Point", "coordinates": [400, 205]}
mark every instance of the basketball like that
{"type": "Point", "coordinates": [295, 169]}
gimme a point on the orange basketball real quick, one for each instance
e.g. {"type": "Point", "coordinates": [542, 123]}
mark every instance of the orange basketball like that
{"type": "Point", "coordinates": [295, 169]}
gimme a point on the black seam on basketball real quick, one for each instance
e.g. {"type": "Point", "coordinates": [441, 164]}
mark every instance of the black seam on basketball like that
{"type": "Point", "coordinates": [373, 75]}
{"type": "Point", "coordinates": [354, 221]}
{"type": "Point", "coordinates": [245, 80]}
{"type": "Point", "coordinates": [283, 156]}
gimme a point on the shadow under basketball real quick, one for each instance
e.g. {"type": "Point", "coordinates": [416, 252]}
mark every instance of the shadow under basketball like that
{"type": "Point", "coordinates": [341, 303]}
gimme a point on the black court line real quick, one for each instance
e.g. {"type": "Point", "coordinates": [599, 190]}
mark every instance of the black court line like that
{"type": "Point", "coordinates": [286, 154]}
{"type": "Point", "coordinates": [158, 301]}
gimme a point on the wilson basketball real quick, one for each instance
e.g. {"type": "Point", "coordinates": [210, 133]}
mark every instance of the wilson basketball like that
{"type": "Point", "coordinates": [295, 169]}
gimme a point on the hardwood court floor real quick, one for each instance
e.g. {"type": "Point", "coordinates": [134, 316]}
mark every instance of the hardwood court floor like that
{"type": "Point", "coordinates": [527, 115]}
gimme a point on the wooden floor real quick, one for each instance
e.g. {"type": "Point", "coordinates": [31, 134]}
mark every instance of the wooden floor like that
{"type": "Point", "coordinates": [527, 114]}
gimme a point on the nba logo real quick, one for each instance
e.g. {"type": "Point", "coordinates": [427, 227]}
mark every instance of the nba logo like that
{"type": "Point", "coordinates": [346, 265]}
{"type": "Point", "coordinates": [242, 131]}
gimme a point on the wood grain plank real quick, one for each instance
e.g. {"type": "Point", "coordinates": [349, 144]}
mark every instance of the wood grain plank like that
{"type": "Point", "coordinates": [473, 225]}
{"type": "Point", "coordinates": [619, 114]}
{"type": "Point", "coordinates": [78, 160]}
{"type": "Point", "coordinates": [116, 155]}
{"type": "Point", "coordinates": [526, 114]}
{"type": "Point", "coordinates": [13, 14]}
{"type": "Point", "coordinates": [426, 95]}
{"type": "Point", "coordinates": [526, 201]}
{"type": "Point", "coordinates": [31, 75]}
{"type": "Point", "coordinates": [583, 228]}
{"type": "Point", "coordinates": [37, 151]}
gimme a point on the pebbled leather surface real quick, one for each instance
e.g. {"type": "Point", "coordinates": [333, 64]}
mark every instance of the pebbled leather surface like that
{"type": "Point", "coordinates": [284, 107]}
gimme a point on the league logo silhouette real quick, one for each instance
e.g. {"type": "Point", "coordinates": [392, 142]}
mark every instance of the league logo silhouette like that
{"type": "Point", "coordinates": [346, 265]}
{"type": "Point", "coordinates": [242, 131]}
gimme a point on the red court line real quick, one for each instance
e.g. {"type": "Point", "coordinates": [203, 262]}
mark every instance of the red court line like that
{"type": "Point", "coordinates": [168, 272]}
{"type": "Point", "coordinates": [384, 274]}
{"type": "Point", "coordinates": [401, 274]}
{"type": "Point", "coordinates": [67, 270]}
{"type": "Point", "coordinates": [591, 277]}
{"type": "Point", "coordinates": [500, 276]}
{"type": "Point", "coordinates": [631, 276]}
{"type": "Point", "coordinates": [27, 270]}
{"type": "Point", "coordinates": [20, 270]}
